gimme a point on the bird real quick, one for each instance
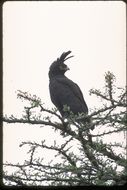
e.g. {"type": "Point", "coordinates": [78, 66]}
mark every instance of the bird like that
{"type": "Point", "coordinates": [63, 91]}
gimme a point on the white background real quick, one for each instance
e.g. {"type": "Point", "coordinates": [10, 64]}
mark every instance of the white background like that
{"type": "Point", "coordinates": [36, 33]}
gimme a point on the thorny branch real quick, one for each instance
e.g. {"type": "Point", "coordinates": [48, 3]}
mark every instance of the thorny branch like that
{"type": "Point", "coordinates": [84, 159]}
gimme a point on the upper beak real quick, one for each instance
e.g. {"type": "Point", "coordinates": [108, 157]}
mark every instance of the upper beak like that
{"type": "Point", "coordinates": [67, 68]}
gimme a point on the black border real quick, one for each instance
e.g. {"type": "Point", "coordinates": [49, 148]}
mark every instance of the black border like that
{"type": "Point", "coordinates": [2, 186]}
{"type": "Point", "coordinates": [1, 94]}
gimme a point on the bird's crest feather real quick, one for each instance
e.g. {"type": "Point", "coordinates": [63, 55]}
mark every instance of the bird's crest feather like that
{"type": "Point", "coordinates": [64, 57]}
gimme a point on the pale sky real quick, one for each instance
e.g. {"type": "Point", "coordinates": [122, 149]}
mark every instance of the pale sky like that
{"type": "Point", "coordinates": [36, 33]}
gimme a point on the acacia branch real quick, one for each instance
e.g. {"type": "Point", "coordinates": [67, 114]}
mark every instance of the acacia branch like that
{"type": "Point", "coordinates": [109, 132]}
{"type": "Point", "coordinates": [37, 122]}
{"type": "Point", "coordinates": [95, 161]}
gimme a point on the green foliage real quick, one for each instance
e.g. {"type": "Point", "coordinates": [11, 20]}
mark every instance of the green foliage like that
{"type": "Point", "coordinates": [82, 157]}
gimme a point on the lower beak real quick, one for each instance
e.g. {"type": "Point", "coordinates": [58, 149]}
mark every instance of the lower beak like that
{"type": "Point", "coordinates": [67, 68]}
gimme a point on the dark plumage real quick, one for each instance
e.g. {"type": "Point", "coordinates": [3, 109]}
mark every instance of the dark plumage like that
{"type": "Point", "coordinates": [64, 91]}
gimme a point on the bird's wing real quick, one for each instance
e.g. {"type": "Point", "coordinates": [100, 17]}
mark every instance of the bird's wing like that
{"type": "Point", "coordinates": [73, 87]}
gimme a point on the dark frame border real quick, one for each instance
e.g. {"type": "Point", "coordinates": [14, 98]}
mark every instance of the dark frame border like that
{"type": "Point", "coordinates": [2, 186]}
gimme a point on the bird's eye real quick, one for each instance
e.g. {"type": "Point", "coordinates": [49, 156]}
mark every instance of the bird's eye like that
{"type": "Point", "coordinates": [64, 67]}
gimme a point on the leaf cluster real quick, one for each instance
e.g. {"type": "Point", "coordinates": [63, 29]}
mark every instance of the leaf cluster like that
{"type": "Point", "coordinates": [83, 157]}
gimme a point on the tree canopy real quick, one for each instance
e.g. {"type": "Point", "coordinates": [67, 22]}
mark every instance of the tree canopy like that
{"type": "Point", "coordinates": [84, 157]}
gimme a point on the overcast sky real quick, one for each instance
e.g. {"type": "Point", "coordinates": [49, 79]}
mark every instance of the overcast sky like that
{"type": "Point", "coordinates": [36, 33]}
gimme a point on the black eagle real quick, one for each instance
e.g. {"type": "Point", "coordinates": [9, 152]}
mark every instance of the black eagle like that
{"type": "Point", "coordinates": [64, 91]}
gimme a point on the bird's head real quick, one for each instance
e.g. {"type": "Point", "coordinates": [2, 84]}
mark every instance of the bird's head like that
{"type": "Point", "coordinates": [58, 67]}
